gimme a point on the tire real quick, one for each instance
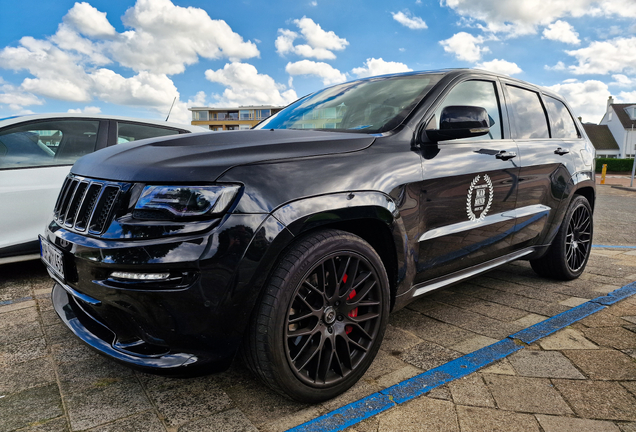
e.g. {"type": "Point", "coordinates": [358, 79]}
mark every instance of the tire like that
{"type": "Point", "coordinates": [568, 254]}
{"type": "Point", "coordinates": [321, 318]}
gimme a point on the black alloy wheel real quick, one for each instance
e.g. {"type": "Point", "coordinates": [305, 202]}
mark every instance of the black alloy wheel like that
{"type": "Point", "coordinates": [568, 254]}
{"type": "Point", "coordinates": [321, 319]}
{"type": "Point", "coordinates": [334, 319]}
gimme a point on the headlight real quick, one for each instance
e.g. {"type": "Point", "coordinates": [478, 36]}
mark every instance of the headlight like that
{"type": "Point", "coordinates": [176, 202]}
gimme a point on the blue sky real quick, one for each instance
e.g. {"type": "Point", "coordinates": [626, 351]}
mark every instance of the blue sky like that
{"type": "Point", "coordinates": [134, 57]}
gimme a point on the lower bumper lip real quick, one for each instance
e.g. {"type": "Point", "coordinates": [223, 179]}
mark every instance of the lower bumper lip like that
{"type": "Point", "coordinates": [72, 315]}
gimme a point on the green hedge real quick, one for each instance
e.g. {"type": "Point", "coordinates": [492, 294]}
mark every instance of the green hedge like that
{"type": "Point", "coordinates": [614, 165]}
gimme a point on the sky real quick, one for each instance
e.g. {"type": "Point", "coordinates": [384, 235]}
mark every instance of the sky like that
{"type": "Point", "coordinates": [135, 58]}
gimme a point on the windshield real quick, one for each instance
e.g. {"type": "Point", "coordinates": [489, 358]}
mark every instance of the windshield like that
{"type": "Point", "coordinates": [370, 105]}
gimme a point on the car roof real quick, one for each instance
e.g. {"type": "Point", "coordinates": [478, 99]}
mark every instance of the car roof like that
{"type": "Point", "coordinates": [51, 116]}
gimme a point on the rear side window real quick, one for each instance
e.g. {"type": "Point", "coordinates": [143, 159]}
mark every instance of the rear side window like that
{"type": "Point", "coordinates": [127, 132]}
{"type": "Point", "coordinates": [561, 122]}
{"type": "Point", "coordinates": [47, 143]}
{"type": "Point", "coordinates": [527, 113]}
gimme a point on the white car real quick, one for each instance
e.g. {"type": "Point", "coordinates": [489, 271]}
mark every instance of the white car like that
{"type": "Point", "coordinates": [36, 153]}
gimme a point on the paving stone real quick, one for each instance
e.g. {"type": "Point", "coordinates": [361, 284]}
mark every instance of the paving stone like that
{"type": "Point", "coordinates": [539, 307]}
{"type": "Point", "coordinates": [439, 416]}
{"type": "Point", "coordinates": [58, 334]}
{"type": "Point", "coordinates": [566, 339]}
{"type": "Point", "coordinates": [21, 376]}
{"type": "Point", "coordinates": [630, 352]}
{"type": "Point", "coordinates": [59, 424]}
{"type": "Point", "coordinates": [483, 307]}
{"type": "Point", "coordinates": [569, 424]}
{"type": "Point", "coordinates": [73, 350]}
{"type": "Point", "coordinates": [603, 318]}
{"type": "Point", "coordinates": [143, 422]}
{"type": "Point", "coordinates": [502, 367]}
{"type": "Point", "coordinates": [22, 351]}
{"type": "Point", "coordinates": [35, 405]}
{"type": "Point", "coordinates": [474, 344]}
{"type": "Point", "coordinates": [472, 391]}
{"type": "Point", "coordinates": [397, 340]}
{"type": "Point", "coordinates": [473, 322]}
{"type": "Point", "coordinates": [428, 355]}
{"type": "Point", "coordinates": [623, 308]}
{"type": "Point", "coordinates": [228, 421]}
{"type": "Point", "coordinates": [602, 400]}
{"type": "Point", "coordinates": [631, 319]}
{"type": "Point", "coordinates": [521, 394]}
{"type": "Point", "coordinates": [543, 364]}
{"type": "Point", "coordinates": [603, 364]}
{"type": "Point", "coordinates": [11, 318]}
{"type": "Point", "coordinates": [442, 392]}
{"type": "Point", "coordinates": [589, 292]}
{"type": "Point", "coordinates": [429, 329]}
{"type": "Point", "coordinates": [397, 376]}
{"type": "Point", "coordinates": [383, 364]}
{"type": "Point", "coordinates": [280, 425]}
{"type": "Point", "coordinates": [472, 419]}
{"type": "Point", "coordinates": [630, 385]}
{"type": "Point", "coordinates": [613, 337]}
{"type": "Point", "coordinates": [14, 292]}
{"type": "Point", "coordinates": [110, 401]}
{"type": "Point", "coordinates": [574, 301]}
{"type": "Point", "coordinates": [530, 320]}
{"type": "Point", "coordinates": [627, 427]}
{"type": "Point", "coordinates": [369, 425]}
{"type": "Point", "coordinates": [361, 389]}
{"type": "Point", "coordinates": [260, 404]}
{"type": "Point", "coordinates": [20, 332]}
{"type": "Point", "coordinates": [95, 373]}
{"type": "Point", "coordinates": [182, 400]}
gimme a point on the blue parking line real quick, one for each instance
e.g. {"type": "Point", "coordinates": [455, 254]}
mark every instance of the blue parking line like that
{"type": "Point", "coordinates": [20, 300]}
{"type": "Point", "coordinates": [613, 246]}
{"type": "Point", "coordinates": [404, 391]}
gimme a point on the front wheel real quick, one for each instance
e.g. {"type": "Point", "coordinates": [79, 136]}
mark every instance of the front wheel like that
{"type": "Point", "coordinates": [567, 256]}
{"type": "Point", "coordinates": [322, 317]}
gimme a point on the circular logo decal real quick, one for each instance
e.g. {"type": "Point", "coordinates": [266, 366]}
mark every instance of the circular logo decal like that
{"type": "Point", "coordinates": [479, 200]}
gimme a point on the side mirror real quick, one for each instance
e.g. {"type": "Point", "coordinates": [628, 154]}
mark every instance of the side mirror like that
{"type": "Point", "coordinates": [460, 121]}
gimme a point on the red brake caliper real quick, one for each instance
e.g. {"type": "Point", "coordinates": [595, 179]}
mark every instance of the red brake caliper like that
{"type": "Point", "coordinates": [354, 312]}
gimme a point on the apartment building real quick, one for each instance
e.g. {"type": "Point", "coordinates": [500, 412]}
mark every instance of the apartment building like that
{"type": "Point", "coordinates": [231, 118]}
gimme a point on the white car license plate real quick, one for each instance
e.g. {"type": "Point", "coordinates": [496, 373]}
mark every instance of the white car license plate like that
{"type": "Point", "coordinates": [52, 257]}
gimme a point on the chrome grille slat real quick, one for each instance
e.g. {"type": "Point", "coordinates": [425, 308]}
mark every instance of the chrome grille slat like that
{"type": "Point", "coordinates": [74, 205]}
{"type": "Point", "coordinates": [93, 192]}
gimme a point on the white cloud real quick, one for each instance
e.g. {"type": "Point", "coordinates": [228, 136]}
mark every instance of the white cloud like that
{"type": "Point", "coordinates": [165, 38]}
{"type": "Point", "coordinates": [329, 74]}
{"type": "Point", "coordinates": [626, 97]}
{"type": "Point", "coordinates": [143, 89]}
{"type": "Point", "coordinates": [86, 110]}
{"type": "Point", "coordinates": [245, 86]}
{"type": "Point", "coordinates": [320, 43]}
{"type": "Point", "coordinates": [557, 67]}
{"type": "Point", "coordinates": [587, 98]}
{"type": "Point", "coordinates": [563, 32]}
{"type": "Point", "coordinates": [89, 21]}
{"type": "Point", "coordinates": [15, 98]}
{"type": "Point", "coordinates": [500, 66]}
{"type": "Point", "coordinates": [621, 80]}
{"type": "Point", "coordinates": [375, 66]}
{"type": "Point", "coordinates": [465, 46]}
{"type": "Point", "coordinates": [409, 20]}
{"type": "Point", "coordinates": [603, 57]}
{"type": "Point", "coordinates": [521, 17]}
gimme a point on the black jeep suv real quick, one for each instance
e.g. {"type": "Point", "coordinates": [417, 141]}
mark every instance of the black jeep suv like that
{"type": "Point", "coordinates": [291, 243]}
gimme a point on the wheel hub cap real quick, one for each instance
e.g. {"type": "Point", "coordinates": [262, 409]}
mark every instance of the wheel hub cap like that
{"type": "Point", "coordinates": [330, 315]}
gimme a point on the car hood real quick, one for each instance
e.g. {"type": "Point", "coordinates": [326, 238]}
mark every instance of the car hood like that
{"type": "Point", "coordinates": [203, 157]}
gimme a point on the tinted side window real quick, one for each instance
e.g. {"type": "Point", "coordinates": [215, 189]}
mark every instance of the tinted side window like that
{"type": "Point", "coordinates": [47, 143]}
{"type": "Point", "coordinates": [127, 132]}
{"type": "Point", "coordinates": [475, 93]}
{"type": "Point", "coordinates": [561, 122]}
{"type": "Point", "coordinates": [527, 113]}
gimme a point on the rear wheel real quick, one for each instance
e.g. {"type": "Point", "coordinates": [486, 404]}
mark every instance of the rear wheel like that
{"type": "Point", "coordinates": [321, 319]}
{"type": "Point", "coordinates": [570, 249]}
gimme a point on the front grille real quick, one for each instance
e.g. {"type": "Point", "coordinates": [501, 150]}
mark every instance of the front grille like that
{"type": "Point", "coordinates": [85, 203]}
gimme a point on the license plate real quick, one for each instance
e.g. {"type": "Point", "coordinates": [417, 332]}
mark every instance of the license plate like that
{"type": "Point", "coordinates": [52, 257]}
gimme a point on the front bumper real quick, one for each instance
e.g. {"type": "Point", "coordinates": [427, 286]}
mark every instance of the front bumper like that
{"type": "Point", "coordinates": [194, 322]}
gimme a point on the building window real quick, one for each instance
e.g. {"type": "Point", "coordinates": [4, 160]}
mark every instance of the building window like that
{"type": "Point", "coordinates": [245, 114]}
{"type": "Point", "coordinates": [200, 115]}
{"type": "Point", "coordinates": [244, 127]}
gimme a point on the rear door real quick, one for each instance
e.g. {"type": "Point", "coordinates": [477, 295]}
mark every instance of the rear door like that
{"type": "Point", "coordinates": [545, 163]}
{"type": "Point", "coordinates": [469, 189]}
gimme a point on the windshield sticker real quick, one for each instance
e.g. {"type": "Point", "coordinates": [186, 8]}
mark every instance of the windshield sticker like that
{"type": "Point", "coordinates": [479, 200]}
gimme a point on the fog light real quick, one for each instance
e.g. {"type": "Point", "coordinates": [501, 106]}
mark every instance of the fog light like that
{"type": "Point", "coordinates": [140, 276]}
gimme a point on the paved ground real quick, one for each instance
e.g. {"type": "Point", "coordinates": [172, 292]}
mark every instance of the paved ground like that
{"type": "Point", "coordinates": [581, 378]}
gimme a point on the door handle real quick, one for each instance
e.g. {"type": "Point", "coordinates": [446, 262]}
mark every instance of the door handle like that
{"type": "Point", "coordinates": [561, 151]}
{"type": "Point", "coordinates": [505, 155]}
